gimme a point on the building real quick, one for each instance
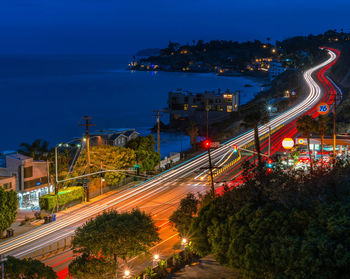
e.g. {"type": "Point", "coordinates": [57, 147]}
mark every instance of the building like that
{"type": "Point", "coordinates": [259, 64]}
{"type": "Point", "coordinates": [117, 138]}
{"type": "Point", "coordinates": [29, 177]}
{"type": "Point", "coordinates": [187, 106]}
{"type": "Point", "coordinates": [7, 180]}
{"type": "Point", "coordinates": [275, 69]}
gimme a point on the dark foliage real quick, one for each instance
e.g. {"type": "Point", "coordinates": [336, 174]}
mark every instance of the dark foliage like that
{"type": "Point", "coordinates": [27, 269]}
{"type": "Point", "coordinates": [281, 225]}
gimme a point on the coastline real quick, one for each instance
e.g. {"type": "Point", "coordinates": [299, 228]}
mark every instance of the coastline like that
{"type": "Point", "coordinates": [106, 91]}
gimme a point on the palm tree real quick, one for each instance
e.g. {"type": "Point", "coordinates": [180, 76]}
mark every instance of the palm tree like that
{"type": "Point", "coordinates": [192, 131]}
{"type": "Point", "coordinates": [253, 119]}
{"type": "Point", "coordinates": [38, 150]}
{"type": "Point", "coordinates": [320, 128]}
{"type": "Point", "coordinates": [305, 125]}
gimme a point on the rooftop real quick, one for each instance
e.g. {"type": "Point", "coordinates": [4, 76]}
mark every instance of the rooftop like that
{"type": "Point", "coordinates": [19, 156]}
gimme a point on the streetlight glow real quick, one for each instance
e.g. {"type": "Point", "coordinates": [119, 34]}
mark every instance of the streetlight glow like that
{"type": "Point", "coordinates": [127, 272]}
{"type": "Point", "coordinates": [156, 256]}
{"type": "Point", "coordinates": [184, 240]}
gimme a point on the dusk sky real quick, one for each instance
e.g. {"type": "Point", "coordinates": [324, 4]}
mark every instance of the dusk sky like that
{"type": "Point", "coordinates": [114, 26]}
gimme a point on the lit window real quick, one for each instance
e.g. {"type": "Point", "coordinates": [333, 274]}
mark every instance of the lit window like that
{"type": "Point", "coordinates": [185, 106]}
{"type": "Point", "coordinates": [229, 108]}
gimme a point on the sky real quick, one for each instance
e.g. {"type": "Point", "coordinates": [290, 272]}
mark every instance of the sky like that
{"type": "Point", "coordinates": [126, 26]}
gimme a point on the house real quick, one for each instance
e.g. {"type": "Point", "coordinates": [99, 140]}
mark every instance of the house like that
{"type": "Point", "coordinates": [187, 106]}
{"type": "Point", "coordinates": [29, 178]}
{"type": "Point", "coordinates": [112, 137]}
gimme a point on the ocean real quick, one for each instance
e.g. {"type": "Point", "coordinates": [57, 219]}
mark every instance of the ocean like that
{"type": "Point", "coordinates": [46, 97]}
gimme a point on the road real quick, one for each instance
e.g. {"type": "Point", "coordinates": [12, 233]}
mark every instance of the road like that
{"type": "Point", "coordinates": [160, 195]}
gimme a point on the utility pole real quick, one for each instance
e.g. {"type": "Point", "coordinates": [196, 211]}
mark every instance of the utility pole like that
{"type": "Point", "coordinates": [334, 124]}
{"type": "Point", "coordinates": [87, 137]}
{"type": "Point", "coordinates": [207, 118]}
{"type": "Point", "coordinates": [207, 145]}
{"type": "Point", "coordinates": [157, 115]}
{"type": "Point", "coordinates": [269, 141]}
{"type": "Point", "coordinates": [101, 179]}
{"type": "Point", "coordinates": [211, 174]}
{"type": "Point", "coordinates": [56, 172]}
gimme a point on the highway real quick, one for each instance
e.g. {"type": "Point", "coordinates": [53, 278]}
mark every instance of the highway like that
{"type": "Point", "coordinates": [160, 195]}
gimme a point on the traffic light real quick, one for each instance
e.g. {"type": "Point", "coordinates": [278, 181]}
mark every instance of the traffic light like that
{"type": "Point", "coordinates": [269, 165]}
{"type": "Point", "coordinates": [235, 149]}
{"type": "Point", "coordinates": [206, 144]}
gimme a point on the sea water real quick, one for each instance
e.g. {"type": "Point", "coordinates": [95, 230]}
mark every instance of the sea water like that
{"type": "Point", "coordinates": [46, 97]}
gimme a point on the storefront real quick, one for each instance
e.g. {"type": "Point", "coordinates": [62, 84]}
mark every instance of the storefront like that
{"type": "Point", "coordinates": [30, 199]}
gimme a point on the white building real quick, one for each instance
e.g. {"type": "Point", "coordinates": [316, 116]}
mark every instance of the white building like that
{"type": "Point", "coordinates": [31, 178]}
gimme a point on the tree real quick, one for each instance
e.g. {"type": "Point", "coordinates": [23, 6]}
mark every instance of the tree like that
{"type": "Point", "coordinates": [255, 117]}
{"type": "Point", "coordinates": [320, 128]}
{"type": "Point", "coordinates": [8, 208]}
{"type": "Point", "coordinates": [38, 149]}
{"type": "Point", "coordinates": [114, 235]}
{"type": "Point", "coordinates": [280, 225]}
{"type": "Point", "coordinates": [27, 269]}
{"type": "Point", "coordinates": [146, 156]}
{"type": "Point", "coordinates": [113, 158]}
{"type": "Point", "coordinates": [182, 217]}
{"type": "Point", "coordinates": [90, 267]}
{"type": "Point", "coordinates": [305, 125]}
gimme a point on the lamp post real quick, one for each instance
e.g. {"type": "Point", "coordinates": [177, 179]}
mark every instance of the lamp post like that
{"type": "Point", "coordinates": [183, 243]}
{"type": "Point", "coordinates": [334, 124]}
{"type": "Point", "coordinates": [67, 144]}
{"type": "Point", "coordinates": [156, 260]}
{"type": "Point", "coordinates": [127, 274]}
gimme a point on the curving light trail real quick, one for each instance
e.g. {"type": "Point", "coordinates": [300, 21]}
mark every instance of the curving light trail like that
{"type": "Point", "coordinates": [26, 243]}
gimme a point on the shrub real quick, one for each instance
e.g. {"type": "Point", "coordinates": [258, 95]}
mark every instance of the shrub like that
{"type": "Point", "coordinates": [49, 202]}
{"type": "Point", "coordinates": [149, 272]}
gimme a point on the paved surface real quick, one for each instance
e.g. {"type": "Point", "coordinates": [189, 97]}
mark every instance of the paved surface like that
{"type": "Point", "coordinates": [159, 196]}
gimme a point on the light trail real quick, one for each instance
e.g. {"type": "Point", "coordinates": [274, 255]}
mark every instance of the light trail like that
{"type": "Point", "coordinates": [52, 232]}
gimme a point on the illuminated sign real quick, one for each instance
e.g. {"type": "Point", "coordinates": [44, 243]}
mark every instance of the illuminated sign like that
{"type": "Point", "coordinates": [288, 143]}
{"type": "Point", "coordinates": [323, 108]}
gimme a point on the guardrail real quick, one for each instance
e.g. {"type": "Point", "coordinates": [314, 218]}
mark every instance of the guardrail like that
{"type": "Point", "coordinates": [52, 249]}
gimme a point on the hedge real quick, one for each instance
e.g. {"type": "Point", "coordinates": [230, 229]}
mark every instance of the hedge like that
{"type": "Point", "coordinates": [49, 202]}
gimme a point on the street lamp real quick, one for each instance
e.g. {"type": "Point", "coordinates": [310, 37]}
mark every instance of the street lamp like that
{"type": "Point", "coordinates": [126, 274]}
{"type": "Point", "coordinates": [183, 243]}
{"type": "Point", "coordinates": [156, 260]}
